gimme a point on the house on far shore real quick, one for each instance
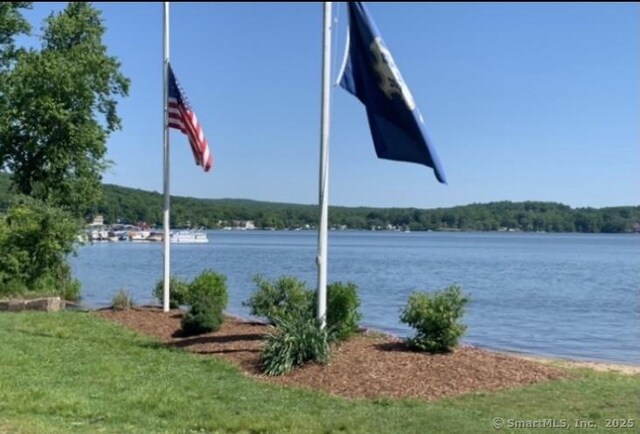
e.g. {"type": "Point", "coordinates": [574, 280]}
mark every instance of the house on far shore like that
{"type": "Point", "coordinates": [96, 230]}
{"type": "Point", "coordinates": [98, 220]}
{"type": "Point", "coordinates": [238, 225]}
{"type": "Point", "coordinates": [244, 225]}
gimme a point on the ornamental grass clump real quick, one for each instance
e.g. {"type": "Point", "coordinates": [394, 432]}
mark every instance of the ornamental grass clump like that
{"type": "Point", "coordinates": [207, 298]}
{"type": "Point", "coordinates": [436, 319]}
{"type": "Point", "coordinates": [297, 336]}
{"type": "Point", "coordinates": [295, 340]}
{"type": "Point", "coordinates": [122, 300]}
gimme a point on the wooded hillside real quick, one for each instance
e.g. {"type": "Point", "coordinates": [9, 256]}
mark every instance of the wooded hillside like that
{"type": "Point", "coordinates": [123, 204]}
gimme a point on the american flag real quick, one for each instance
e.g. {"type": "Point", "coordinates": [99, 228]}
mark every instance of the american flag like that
{"type": "Point", "coordinates": [184, 119]}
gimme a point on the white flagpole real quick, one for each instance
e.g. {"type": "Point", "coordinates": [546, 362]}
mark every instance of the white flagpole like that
{"type": "Point", "coordinates": [165, 130]}
{"type": "Point", "coordinates": [324, 166]}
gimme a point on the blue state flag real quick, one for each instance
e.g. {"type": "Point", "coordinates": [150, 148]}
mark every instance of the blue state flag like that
{"type": "Point", "coordinates": [397, 127]}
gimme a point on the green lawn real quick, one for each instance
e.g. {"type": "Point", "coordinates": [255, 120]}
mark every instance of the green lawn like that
{"type": "Point", "coordinates": [73, 372]}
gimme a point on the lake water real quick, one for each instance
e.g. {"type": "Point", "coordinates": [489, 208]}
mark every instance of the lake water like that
{"type": "Point", "coordinates": [563, 295]}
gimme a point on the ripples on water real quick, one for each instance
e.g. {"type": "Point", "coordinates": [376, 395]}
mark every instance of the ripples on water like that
{"type": "Point", "coordinates": [564, 295]}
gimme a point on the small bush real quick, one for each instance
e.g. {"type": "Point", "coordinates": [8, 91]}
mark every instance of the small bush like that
{"type": "Point", "coordinates": [122, 300]}
{"type": "Point", "coordinates": [178, 292]}
{"type": "Point", "coordinates": [208, 298]}
{"type": "Point", "coordinates": [435, 318]}
{"type": "Point", "coordinates": [342, 310]}
{"type": "Point", "coordinates": [297, 339]}
{"type": "Point", "coordinates": [287, 296]}
{"type": "Point", "coordinates": [203, 316]}
{"type": "Point", "coordinates": [211, 284]}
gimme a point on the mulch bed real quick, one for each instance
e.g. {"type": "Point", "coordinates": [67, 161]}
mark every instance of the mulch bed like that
{"type": "Point", "coordinates": [370, 365]}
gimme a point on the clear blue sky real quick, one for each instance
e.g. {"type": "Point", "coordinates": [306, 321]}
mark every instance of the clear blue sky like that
{"type": "Point", "coordinates": [524, 101]}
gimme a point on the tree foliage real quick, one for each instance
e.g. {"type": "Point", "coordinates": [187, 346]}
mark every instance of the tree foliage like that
{"type": "Point", "coordinates": [57, 109]}
{"type": "Point", "coordinates": [35, 239]}
{"type": "Point", "coordinates": [12, 24]}
{"type": "Point", "coordinates": [51, 138]}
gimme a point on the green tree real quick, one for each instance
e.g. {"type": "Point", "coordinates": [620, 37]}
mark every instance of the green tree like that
{"type": "Point", "coordinates": [57, 109]}
{"type": "Point", "coordinates": [52, 139]}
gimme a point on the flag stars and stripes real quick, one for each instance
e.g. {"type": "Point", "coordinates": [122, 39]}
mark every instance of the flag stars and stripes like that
{"type": "Point", "coordinates": [182, 117]}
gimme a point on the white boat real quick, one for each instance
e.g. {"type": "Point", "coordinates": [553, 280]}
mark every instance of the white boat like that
{"type": "Point", "coordinates": [139, 235]}
{"type": "Point", "coordinates": [188, 236]}
{"type": "Point", "coordinates": [155, 236]}
{"type": "Point", "coordinates": [98, 235]}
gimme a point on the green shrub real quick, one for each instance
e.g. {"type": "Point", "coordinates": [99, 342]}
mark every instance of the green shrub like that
{"type": "Point", "coordinates": [208, 298]}
{"type": "Point", "coordinates": [68, 289]}
{"type": "Point", "coordinates": [45, 286]}
{"type": "Point", "coordinates": [342, 310]}
{"type": "Point", "coordinates": [284, 297]}
{"type": "Point", "coordinates": [210, 284]}
{"type": "Point", "coordinates": [291, 307]}
{"type": "Point", "coordinates": [296, 339]}
{"type": "Point", "coordinates": [204, 316]}
{"type": "Point", "coordinates": [178, 291]}
{"type": "Point", "coordinates": [58, 282]}
{"type": "Point", "coordinates": [435, 318]}
{"type": "Point", "coordinates": [35, 240]}
{"type": "Point", "coordinates": [122, 300]}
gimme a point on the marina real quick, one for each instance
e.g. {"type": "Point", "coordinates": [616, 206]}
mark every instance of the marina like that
{"type": "Point", "coordinates": [136, 234]}
{"type": "Point", "coordinates": [97, 231]}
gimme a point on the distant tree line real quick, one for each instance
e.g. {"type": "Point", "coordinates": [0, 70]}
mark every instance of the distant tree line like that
{"type": "Point", "coordinates": [122, 204]}
{"type": "Point", "coordinates": [131, 205]}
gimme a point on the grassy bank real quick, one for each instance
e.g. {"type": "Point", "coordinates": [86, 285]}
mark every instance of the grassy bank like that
{"type": "Point", "coordinates": [73, 372]}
